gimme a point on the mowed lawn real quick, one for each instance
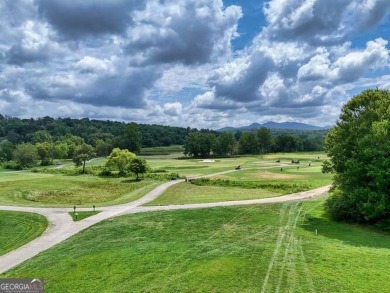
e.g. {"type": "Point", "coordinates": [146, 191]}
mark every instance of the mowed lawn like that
{"type": "Point", "coordinates": [269, 248]}
{"type": "Point", "coordinates": [19, 228]}
{"type": "Point", "coordinates": [36, 189]}
{"type": "Point", "coordinates": [197, 167]}
{"type": "Point", "coordinates": [312, 177]}
{"type": "Point", "coordinates": [40, 189]}
{"type": "Point", "coordinates": [305, 178]}
{"type": "Point", "coordinates": [187, 193]}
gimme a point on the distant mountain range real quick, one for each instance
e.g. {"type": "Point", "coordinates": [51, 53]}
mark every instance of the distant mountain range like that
{"type": "Point", "coordinates": [276, 125]}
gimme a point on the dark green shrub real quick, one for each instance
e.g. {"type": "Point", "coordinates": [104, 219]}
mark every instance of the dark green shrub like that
{"type": "Point", "coordinates": [12, 166]}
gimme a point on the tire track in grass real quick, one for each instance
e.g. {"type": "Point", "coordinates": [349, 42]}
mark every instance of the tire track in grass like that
{"type": "Point", "coordinates": [299, 277]}
{"type": "Point", "coordinates": [279, 242]}
{"type": "Point", "coordinates": [292, 276]}
{"type": "Point", "coordinates": [306, 270]}
{"type": "Point", "coordinates": [282, 215]}
{"type": "Point", "coordinates": [302, 258]}
{"type": "Point", "coordinates": [289, 251]}
{"type": "Point", "coordinates": [286, 254]}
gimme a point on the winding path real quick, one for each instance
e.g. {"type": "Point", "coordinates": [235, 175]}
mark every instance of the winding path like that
{"type": "Point", "coordinates": [61, 226]}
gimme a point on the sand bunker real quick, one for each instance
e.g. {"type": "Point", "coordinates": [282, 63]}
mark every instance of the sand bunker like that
{"type": "Point", "coordinates": [208, 161]}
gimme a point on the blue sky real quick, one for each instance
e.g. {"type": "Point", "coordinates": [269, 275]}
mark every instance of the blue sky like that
{"type": "Point", "coordinates": [197, 63]}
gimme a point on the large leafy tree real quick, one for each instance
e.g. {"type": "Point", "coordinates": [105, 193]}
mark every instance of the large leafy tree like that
{"type": "Point", "coordinates": [199, 144]}
{"type": "Point", "coordinates": [45, 152]}
{"type": "Point", "coordinates": [6, 151]}
{"type": "Point", "coordinates": [82, 154]}
{"type": "Point", "coordinates": [137, 166]}
{"type": "Point", "coordinates": [119, 160]}
{"type": "Point", "coordinates": [359, 151]}
{"type": "Point", "coordinates": [60, 150]}
{"type": "Point", "coordinates": [41, 136]}
{"type": "Point", "coordinates": [248, 143]}
{"type": "Point", "coordinates": [25, 154]}
{"type": "Point", "coordinates": [224, 144]}
{"type": "Point", "coordinates": [131, 138]}
{"type": "Point", "coordinates": [285, 143]}
{"type": "Point", "coordinates": [264, 137]}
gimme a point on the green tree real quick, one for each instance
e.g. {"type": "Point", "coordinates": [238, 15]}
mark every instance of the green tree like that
{"type": "Point", "coordinates": [264, 137]}
{"type": "Point", "coordinates": [72, 142]}
{"type": "Point", "coordinates": [45, 152]}
{"type": "Point", "coordinates": [199, 144]}
{"type": "Point", "coordinates": [131, 138]}
{"type": "Point", "coordinates": [119, 160]}
{"type": "Point", "coordinates": [25, 154]}
{"type": "Point", "coordinates": [103, 148]}
{"type": "Point", "coordinates": [224, 144]}
{"type": "Point", "coordinates": [359, 151]}
{"type": "Point", "coordinates": [237, 135]}
{"type": "Point", "coordinates": [41, 136]}
{"type": "Point", "coordinates": [6, 151]}
{"type": "Point", "coordinates": [285, 143]}
{"type": "Point", "coordinates": [248, 143]}
{"type": "Point", "coordinates": [82, 154]}
{"type": "Point", "coordinates": [60, 150]}
{"type": "Point", "coordinates": [137, 166]}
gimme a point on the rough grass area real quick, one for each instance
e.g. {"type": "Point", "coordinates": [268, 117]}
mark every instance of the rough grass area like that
{"type": "Point", "coordinates": [245, 184]}
{"type": "Point", "coordinates": [36, 189]}
{"type": "Point", "coordinates": [269, 248]}
{"type": "Point", "coordinates": [81, 215]}
{"type": "Point", "coordinates": [279, 186]}
{"type": "Point", "coordinates": [59, 190]}
{"type": "Point", "coordinates": [196, 167]}
{"type": "Point", "coordinates": [18, 228]}
{"type": "Point", "coordinates": [185, 193]}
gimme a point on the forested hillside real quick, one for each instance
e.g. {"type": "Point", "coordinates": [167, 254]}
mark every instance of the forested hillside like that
{"type": "Point", "coordinates": [17, 130]}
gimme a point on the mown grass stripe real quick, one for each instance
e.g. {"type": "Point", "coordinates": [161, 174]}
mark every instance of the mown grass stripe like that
{"type": "Point", "coordinates": [19, 228]}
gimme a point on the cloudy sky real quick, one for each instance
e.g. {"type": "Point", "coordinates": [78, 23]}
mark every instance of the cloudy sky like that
{"type": "Point", "coordinates": [198, 63]}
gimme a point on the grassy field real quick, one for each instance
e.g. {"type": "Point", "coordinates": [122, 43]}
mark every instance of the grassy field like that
{"type": "Point", "coordinates": [36, 189]}
{"type": "Point", "coordinates": [269, 248]}
{"type": "Point", "coordinates": [305, 178]}
{"type": "Point", "coordinates": [196, 167]}
{"type": "Point", "coordinates": [184, 193]}
{"type": "Point", "coordinates": [41, 189]}
{"type": "Point", "coordinates": [18, 228]}
{"type": "Point", "coordinates": [309, 176]}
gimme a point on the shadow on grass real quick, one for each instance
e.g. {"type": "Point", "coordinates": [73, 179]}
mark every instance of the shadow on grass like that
{"type": "Point", "coordinates": [354, 235]}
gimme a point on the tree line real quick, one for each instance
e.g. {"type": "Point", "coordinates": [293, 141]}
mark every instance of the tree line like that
{"type": "Point", "coordinates": [24, 141]}
{"type": "Point", "coordinates": [93, 132]}
{"type": "Point", "coordinates": [205, 144]}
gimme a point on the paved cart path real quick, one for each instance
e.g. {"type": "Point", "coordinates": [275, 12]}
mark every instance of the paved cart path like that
{"type": "Point", "coordinates": [61, 225]}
